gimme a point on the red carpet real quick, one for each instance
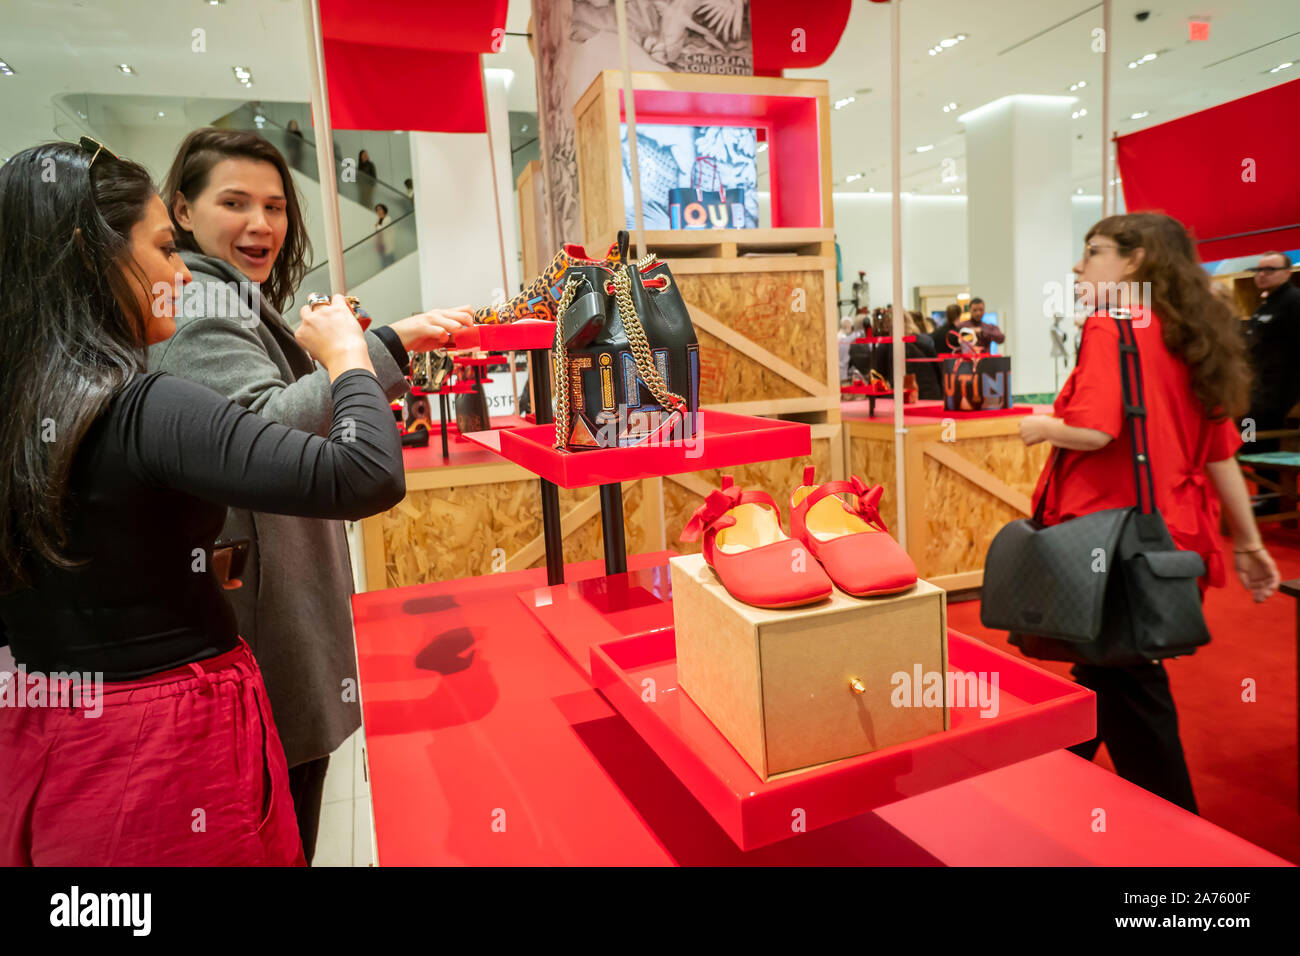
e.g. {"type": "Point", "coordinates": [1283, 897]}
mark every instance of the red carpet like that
{"type": "Point", "coordinates": [1242, 756]}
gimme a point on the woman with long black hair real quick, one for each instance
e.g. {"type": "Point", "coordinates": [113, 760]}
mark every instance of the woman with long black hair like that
{"type": "Point", "coordinates": [1195, 380]}
{"type": "Point", "coordinates": [114, 483]}
{"type": "Point", "coordinates": [240, 230]}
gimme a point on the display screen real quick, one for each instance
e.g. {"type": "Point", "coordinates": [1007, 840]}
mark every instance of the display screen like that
{"type": "Point", "coordinates": [693, 177]}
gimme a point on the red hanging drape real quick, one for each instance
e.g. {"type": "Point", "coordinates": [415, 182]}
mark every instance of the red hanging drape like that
{"type": "Point", "coordinates": [409, 64]}
{"type": "Point", "coordinates": [1230, 173]}
{"type": "Point", "coordinates": [778, 47]}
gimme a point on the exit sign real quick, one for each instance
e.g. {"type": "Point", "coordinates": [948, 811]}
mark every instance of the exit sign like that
{"type": "Point", "coordinates": [1198, 30]}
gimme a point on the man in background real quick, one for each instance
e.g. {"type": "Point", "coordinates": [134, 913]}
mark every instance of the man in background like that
{"type": "Point", "coordinates": [1273, 338]}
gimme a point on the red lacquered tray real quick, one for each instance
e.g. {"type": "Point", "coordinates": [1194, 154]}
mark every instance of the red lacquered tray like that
{"type": "Point", "coordinates": [934, 409]}
{"type": "Point", "coordinates": [506, 337]}
{"type": "Point", "coordinates": [578, 615]}
{"type": "Point", "coordinates": [865, 390]}
{"type": "Point", "coordinates": [722, 440]}
{"type": "Point", "coordinates": [1037, 713]}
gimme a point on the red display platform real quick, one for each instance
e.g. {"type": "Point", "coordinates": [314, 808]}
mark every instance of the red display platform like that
{"type": "Point", "coordinates": [486, 747]}
{"type": "Point", "coordinates": [929, 411]}
{"type": "Point", "coordinates": [722, 440]}
{"type": "Point", "coordinates": [618, 630]}
{"type": "Point", "coordinates": [521, 336]}
{"type": "Point", "coordinates": [1036, 713]}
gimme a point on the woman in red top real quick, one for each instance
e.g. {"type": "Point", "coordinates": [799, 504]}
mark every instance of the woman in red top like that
{"type": "Point", "coordinates": [1195, 379]}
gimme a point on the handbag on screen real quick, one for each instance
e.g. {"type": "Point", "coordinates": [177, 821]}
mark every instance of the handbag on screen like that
{"type": "Point", "coordinates": [1109, 588]}
{"type": "Point", "coordinates": [627, 364]}
{"type": "Point", "coordinates": [706, 204]}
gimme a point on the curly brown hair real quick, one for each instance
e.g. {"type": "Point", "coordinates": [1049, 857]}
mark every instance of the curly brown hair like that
{"type": "Point", "coordinates": [1196, 325]}
{"type": "Point", "coordinates": [203, 149]}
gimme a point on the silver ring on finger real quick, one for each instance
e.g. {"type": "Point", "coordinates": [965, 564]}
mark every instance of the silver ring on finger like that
{"type": "Point", "coordinates": [316, 299]}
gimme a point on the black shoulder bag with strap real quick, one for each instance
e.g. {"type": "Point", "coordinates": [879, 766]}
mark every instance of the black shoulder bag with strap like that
{"type": "Point", "coordinates": [1108, 588]}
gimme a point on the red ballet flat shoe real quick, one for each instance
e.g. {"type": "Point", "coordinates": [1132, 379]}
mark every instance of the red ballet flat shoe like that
{"type": "Point", "coordinates": [755, 560]}
{"type": "Point", "coordinates": [852, 544]}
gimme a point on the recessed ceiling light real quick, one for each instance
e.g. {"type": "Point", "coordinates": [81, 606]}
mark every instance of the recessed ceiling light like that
{"type": "Point", "coordinates": [925, 149]}
{"type": "Point", "coordinates": [1142, 115]}
{"type": "Point", "coordinates": [126, 68]}
{"type": "Point", "coordinates": [840, 104]}
{"type": "Point", "coordinates": [871, 189]}
{"type": "Point", "coordinates": [852, 177]}
{"type": "Point", "coordinates": [949, 107]}
{"type": "Point", "coordinates": [1078, 113]}
{"type": "Point", "coordinates": [946, 44]}
{"type": "Point", "coordinates": [1078, 86]}
{"type": "Point", "coordinates": [161, 114]}
{"type": "Point", "coordinates": [6, 69]}
{"type": "Point", "coordinates": [762, 147]}
{"type": "Point", "coordinates": [1079, 191]}
{"type": "Point", "coordinates": [1282, 66]}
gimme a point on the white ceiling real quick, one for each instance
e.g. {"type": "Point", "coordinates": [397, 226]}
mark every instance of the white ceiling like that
{"type": "Point", "coordinates": [1013, 46]}
{"type": "Point", "coordinates": [1040, 47]}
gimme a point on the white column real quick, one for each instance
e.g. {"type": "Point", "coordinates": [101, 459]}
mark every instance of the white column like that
{"type": "Point", "coordinates": [455, 214]}
{"type": "Point", "coordinates": [1019, 225]}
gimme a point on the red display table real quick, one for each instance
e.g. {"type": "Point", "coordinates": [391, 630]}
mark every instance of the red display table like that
{"type": "Point", "coordinates": [486, 746]}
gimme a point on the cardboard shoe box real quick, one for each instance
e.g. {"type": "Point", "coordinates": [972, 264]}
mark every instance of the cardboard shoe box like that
{"type": "Point", "coordinates": [793, 689]}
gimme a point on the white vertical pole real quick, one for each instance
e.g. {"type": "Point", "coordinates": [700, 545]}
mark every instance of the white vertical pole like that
{"type": "Point", "coordinates": [900, 313]}
{"type": "Point", "coordinates": [1107, 174]}
{"type": "Point", "coordinates": [629, 105]}
{"type": "Point", "coordinates": [320, 107]}
{"type": "Point", "coordinates": [496, 192]}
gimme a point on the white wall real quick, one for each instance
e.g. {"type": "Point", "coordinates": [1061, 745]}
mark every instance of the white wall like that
{"type": "Point", "coordinates": [934, 241]}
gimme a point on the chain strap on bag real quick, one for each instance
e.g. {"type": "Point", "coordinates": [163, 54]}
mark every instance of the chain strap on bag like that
{"type": "Point", "coordinates": [621, 286]}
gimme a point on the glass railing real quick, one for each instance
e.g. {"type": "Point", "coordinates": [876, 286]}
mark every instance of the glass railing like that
{"type": "Point", "coordinates": [299, 149]}
{"type": "Point", "coordinates": [363, 259]}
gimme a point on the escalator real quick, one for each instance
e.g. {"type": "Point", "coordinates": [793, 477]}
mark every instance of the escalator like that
{"type": "Point", "coordinates": [366, 252]}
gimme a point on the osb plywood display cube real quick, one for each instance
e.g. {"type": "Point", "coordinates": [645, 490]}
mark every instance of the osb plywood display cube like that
{"type": "Point", "coordinates": [792, 117]}
{"type": "Point", "coordinates": [799, 688]}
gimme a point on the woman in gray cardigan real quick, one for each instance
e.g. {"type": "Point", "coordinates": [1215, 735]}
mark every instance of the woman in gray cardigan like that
{"type": "Point", "coordinates": [240, 228]}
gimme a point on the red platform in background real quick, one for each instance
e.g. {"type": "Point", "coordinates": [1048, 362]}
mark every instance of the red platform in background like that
{"type": "Point", "coordinates": [521, 336]}
{"type": "Point", "coordinates": [721, 440]}
{"type": "Point", "coordinates": [928, 411]}
{"type": "Point", "coordinates": [475, 723]}
{"type": "Point", "coordinates": [459, 454]}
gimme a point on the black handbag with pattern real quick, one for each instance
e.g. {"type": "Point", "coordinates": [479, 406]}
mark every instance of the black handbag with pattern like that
{"type": "Point", "coordinates": [627, 363]}
{"type": "Point", "coordinates": [1109, 588]}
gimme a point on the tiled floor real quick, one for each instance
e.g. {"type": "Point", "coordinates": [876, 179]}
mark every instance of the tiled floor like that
{"type": "Point", "coordinates": [346, 831]}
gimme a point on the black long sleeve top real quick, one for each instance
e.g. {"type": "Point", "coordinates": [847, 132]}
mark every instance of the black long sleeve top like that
{"type": "Point", "coordinates": [147, 497]}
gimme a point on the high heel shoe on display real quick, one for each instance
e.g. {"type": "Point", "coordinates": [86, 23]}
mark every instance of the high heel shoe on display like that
{"type": "Point", "coordinates": [755, 560]}
{"type": "Point", "coordinates": [851, 543]}
{"type": "Point", "coordinates": [541, 299]}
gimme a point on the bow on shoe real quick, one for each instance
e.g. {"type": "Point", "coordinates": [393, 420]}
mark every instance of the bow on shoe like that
{"type": "Point", "coordinates": [712, 513]}
{"type": "Point", "coordinates": [868, 502]}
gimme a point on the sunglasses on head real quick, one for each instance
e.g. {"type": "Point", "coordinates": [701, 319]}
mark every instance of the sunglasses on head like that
{"type": "Point", "coordinates": [95, 147]}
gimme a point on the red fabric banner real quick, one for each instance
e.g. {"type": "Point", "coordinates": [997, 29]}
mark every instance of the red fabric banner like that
{"type": "Point", "coordinates": [1228, 173]}
{"type": "Point", "coordinates": [409, 64]}
{"type": "Point", "coordinates": [795, 34]}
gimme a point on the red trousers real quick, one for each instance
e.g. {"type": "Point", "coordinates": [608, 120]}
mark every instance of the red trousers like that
{"type": "Point", "coordinates": [183, 768]}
